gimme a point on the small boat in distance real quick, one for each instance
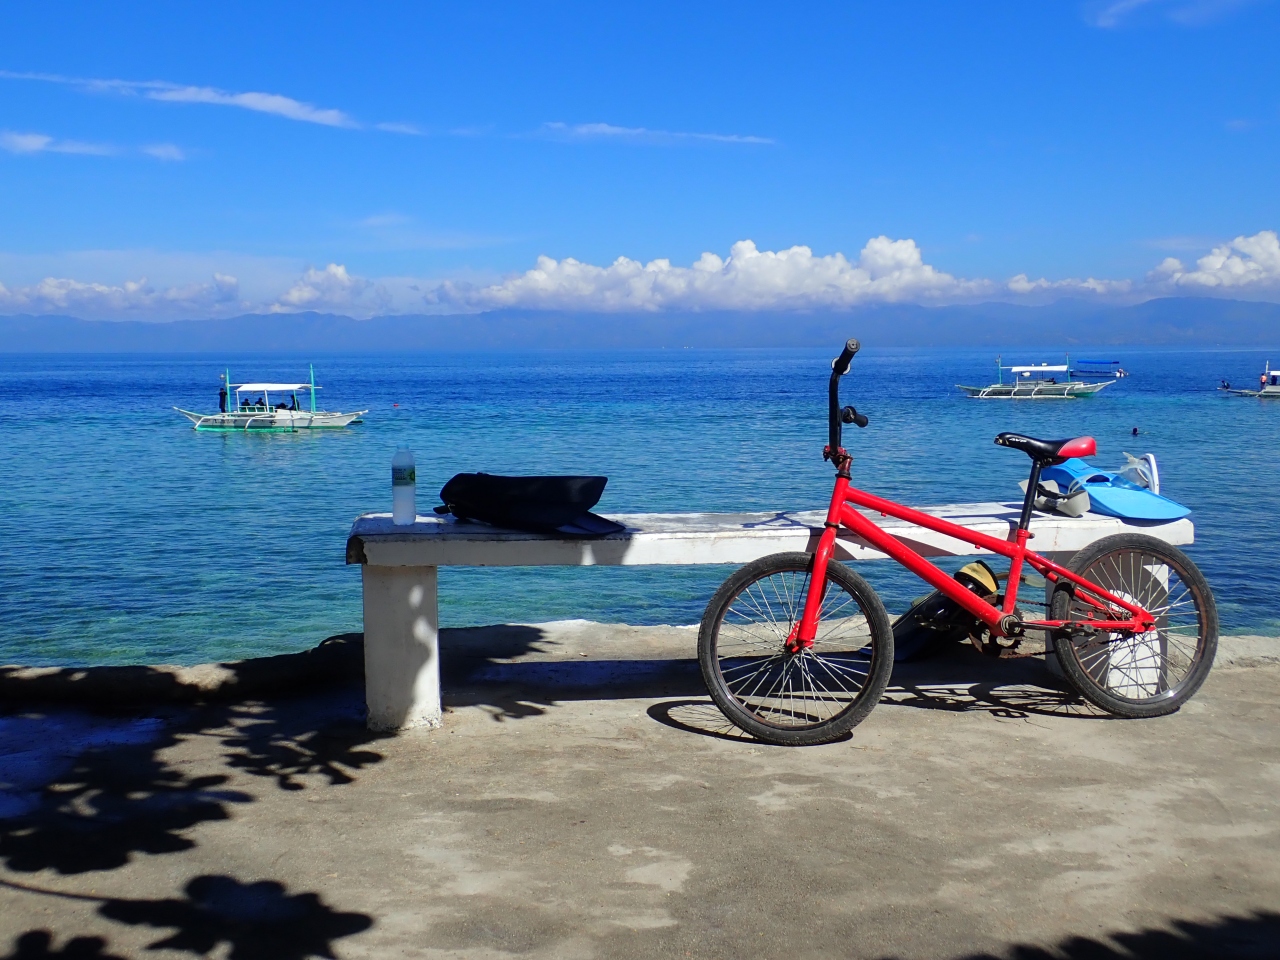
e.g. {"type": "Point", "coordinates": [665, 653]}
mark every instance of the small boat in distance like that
{"type": "Point", "coordinates": [249, 406]}
{"type": "Point", "coordinates": [1268, 385]}
{"type": "Point", "coordinates": [1039, 382]}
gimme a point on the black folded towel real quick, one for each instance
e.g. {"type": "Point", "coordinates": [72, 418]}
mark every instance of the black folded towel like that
{"type": "Point", "coordinates": [551, 505]}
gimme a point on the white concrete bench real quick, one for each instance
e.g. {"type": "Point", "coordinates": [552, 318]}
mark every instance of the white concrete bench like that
{"type": "Point", "coordinates": [399, 564]}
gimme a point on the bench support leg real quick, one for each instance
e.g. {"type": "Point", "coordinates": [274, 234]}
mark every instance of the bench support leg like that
{"type": "Point", "coordinates": [401, 649]}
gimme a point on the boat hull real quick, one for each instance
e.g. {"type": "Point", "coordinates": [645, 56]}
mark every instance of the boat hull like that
{"type": "Point", "coordinates": [279, 421]}
{"type": "Point", "coordinates": [1269, 393]}
{"type": "Point", "coordinates": [1035, 390]}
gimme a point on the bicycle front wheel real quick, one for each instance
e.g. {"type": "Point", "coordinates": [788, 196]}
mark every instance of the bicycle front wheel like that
{"type": "Point", "coordinates": [813, 695]}
{"type": "Point", "coordinates": [1146, 674]}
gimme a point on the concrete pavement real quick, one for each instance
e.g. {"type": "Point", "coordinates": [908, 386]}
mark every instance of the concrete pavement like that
{"type": "Point", "coordinates": [585, 800]}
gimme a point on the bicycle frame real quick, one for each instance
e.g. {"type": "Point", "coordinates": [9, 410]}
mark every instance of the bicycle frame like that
{"type": "Point", "coordinates": [999, 620]}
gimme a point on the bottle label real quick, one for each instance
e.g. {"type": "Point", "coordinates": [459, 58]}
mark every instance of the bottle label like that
{"type": "Point", "coordinates": [403, 476]}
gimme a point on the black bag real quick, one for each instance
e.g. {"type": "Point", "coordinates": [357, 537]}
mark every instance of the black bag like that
{"type": "Point", "coordinates": [551, 505]}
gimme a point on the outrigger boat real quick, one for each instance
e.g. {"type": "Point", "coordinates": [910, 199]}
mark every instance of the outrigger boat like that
{"type": "Point", "coordinates": [1268, 385]}
{"type": "Point", "coordinates": [251, 408]}
{"type": "Point", "coordinates": [1038, 382]}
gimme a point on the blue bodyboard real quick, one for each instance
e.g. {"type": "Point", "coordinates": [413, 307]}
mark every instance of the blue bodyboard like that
{"type": "Point", "coordinates": [1111, 494]}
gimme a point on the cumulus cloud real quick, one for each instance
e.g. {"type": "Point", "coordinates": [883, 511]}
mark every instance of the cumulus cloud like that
{"type": "Point", "coordinates": [749, 279]}
{"type": "Point", "coordinates": [1022, 285]}
{"type": "Point", "coordinates": [332, 288]}
{"type": "Point", "coordinates": [608, 131]}
{"type": "Point", "coordinates": [1246, 263]}
{"type": "Point", "coordinates": [43, 143]}
{"type": "Point", "coordinates": [131, 298]}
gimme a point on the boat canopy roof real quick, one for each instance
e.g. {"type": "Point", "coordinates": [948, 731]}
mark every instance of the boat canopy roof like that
{"type": "Point", "coordinates": [1042, 368]}
{"type": "Point", "coordinates": [273, 386]}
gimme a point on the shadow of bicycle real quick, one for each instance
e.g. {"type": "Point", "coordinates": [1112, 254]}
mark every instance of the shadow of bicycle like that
{"type": "Point", "coordinates": [960, 679]}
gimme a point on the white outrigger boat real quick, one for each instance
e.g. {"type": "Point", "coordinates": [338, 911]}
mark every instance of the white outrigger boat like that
{"type": "Point", "coordinates": [1268, 385]}
{"type": "Point", "coordinates": [1037, 382]}
{"type": "Point", "coordinates": [250, 407]}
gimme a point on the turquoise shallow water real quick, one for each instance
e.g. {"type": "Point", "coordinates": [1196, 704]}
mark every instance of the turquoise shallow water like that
{"type": "Point", "coordinates": [130, 538]}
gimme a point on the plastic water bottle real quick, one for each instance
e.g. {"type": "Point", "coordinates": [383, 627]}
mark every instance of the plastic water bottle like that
{"type": "Point", "coordinates": [404, 485]}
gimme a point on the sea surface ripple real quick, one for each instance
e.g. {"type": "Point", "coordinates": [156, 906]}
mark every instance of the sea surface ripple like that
{"type": "Point", "coordinates": [131, 538]}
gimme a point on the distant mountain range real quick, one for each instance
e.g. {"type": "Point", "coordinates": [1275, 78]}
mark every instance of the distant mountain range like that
{"type": "Point", "coordinates": [1166, 322]}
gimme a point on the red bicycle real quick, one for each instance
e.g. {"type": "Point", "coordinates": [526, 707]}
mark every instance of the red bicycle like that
{"type": "Point", "coordinates": [796, 648]}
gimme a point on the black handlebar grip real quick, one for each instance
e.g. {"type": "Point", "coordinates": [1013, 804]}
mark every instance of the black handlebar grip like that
{"type": "Point", "coordinates": [841, 363]}
{"type": "Point", "coordinates": [850, 415]}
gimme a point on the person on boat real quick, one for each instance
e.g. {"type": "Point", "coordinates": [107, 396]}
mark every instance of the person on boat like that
{"type": "Point", "coordinates": [1262, 381]}
{"type": "Point", "coordinates": [293, 402]}
{"type": "Point", "coordinates": [222, 399]}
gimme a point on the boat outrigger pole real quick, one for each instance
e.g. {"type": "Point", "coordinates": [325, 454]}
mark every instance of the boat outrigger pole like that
{"type": "Point", "coordinates": [313, 386]}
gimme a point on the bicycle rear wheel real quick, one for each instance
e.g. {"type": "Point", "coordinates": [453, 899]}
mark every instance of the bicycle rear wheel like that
{"type": "Point", "coordinates": [811, 696]}
{"type": "Point", "coordinates": [1138, 675]}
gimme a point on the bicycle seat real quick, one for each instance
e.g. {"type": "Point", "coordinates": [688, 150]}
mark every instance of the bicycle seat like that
{"type": "Point", "coordinates": [1049, 451]}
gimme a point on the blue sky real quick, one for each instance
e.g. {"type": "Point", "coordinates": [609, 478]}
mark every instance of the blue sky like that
{"type": "Point", "coordinates": [162, 160]}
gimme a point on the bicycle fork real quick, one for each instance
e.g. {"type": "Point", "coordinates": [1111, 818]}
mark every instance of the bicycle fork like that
{"type": "Point", "coordinates": [804, 633]}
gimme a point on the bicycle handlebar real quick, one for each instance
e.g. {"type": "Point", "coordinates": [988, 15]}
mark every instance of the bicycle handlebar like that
{"type": "Point", "coordinates": [841, 363]}
{"type": "Point", "coordinates": [839, 367]}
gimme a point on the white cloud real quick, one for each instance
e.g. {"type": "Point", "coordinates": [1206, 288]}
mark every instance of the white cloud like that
{"type": "Point", "coordinates": [607, 131]}
{"type": "Point", "coordinates": [1021, 285]}
{"type": "Point", "coordinates": [408, 129]}
{"type": "Point", "coordinates": [35, 143]}
{"type": "Point", "coordinates": [131, 298]}
{"type": "Point", "coordinates": [749, 279]}
{"type": "Point", "coordinates": [1113, 13]}
{"type": "Point", "coordinates": [332, 289]}
{"type": "Point", "coordinates": [1246, 263]}
{"type": "Point", "coordinates": [165, 151]}
{"type": "Point", "coordinates": [272, 103]}
{"type": "Point", "coordinates": [43, 143]}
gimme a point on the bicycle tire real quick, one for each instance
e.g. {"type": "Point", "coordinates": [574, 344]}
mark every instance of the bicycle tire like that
{"type": "Point", "coordinates": [809, 697]}
{"type": "Point", "coordinates": [1139, 675]}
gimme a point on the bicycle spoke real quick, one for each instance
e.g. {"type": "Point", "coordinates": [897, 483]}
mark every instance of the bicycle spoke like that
{"type": "Point", "coordinates": [801, 688]}
{"type": "Point", "coordinates": [1147, 665]}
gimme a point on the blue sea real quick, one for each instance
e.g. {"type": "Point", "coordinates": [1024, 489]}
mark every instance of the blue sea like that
{"type": "Point", "coordinates": [130, 538]}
